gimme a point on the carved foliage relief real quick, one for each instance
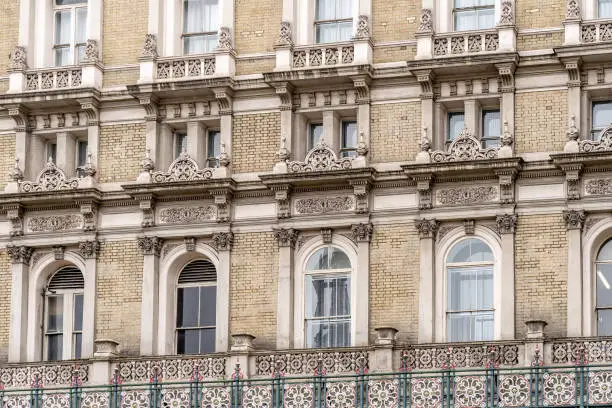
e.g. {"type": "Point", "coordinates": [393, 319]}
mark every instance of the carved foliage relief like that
{"type": "Point", "coordinates": [324, 205]}
{"type": "Point", "coordinates": [53, 223]}
{"type": "Point", "coordinates": [187, 215]}
{"type": "Point", "coordinates": [467, 195]}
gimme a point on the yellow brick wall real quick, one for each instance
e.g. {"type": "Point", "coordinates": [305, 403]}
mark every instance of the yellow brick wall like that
{"type": "Point", "coordinates": [395, 20]}
{"type": "Point", "coordinates": [541, 273]}
{"type": "Point", "coordinates": [539, 13]}
{"type": "Point", "coordinates": [5, 303]}
{"type": "Point", "coordinates": [127, 76]}
{"type": "Point", "coordinates": [122, 148]}
{"type": "Point", "coordinates": [254, 65]}
{"type": "Point", "coordinates": [125, 28]}
{"type": "Point", "coordinates": [9, 31]}
{"type": "Point", "coordinates": [394, 53]}
{"type": "Point", "coordinates": [394, 280]}
{"type": "Point", "coordinates": [253, 287]}
{"type": "Point", "coordinates": [394, 132]}
{"type": "Point", "coordinates": [119, 289]}
{"type": "Point", "coordinates": [255, 142]}
{"type": "Point", "coordinates": [7, 157]}
{"type": "Point", "coordinates": [257, 24]}
{"type": "Point", "coordinates": [4, 84]}
{"type": "Point", "coordinates": [541, 121]}
{"type": "Point", "coordinates": [527, 42]}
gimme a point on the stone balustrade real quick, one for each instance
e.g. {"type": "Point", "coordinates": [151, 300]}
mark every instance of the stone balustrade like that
{"type": "Point", "coordinates": [465, 42]}
{"type": "Point", "coordinates": [323, 55]}
{"type": "Point", "coordinates": [596, 31]}
{"type": "Point", "coordinates": [191, 67]}
{"type": "Point", "coordinates": [55, 78]}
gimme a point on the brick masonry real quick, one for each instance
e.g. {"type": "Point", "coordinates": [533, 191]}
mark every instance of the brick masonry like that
{"type": "Point", "coordinates": [256, 140]}
{"type": "Point", "coordinates": [5, 303]}
{"type": "Point", "coordinates": [257, 34]}
{"type": "Point", "coordinates": [9, 31]}
{"type": "Point", "coordinates": [539, 13]}
{"type": "Point", "coordinates": [122, 147]}
{"type": "Point", "coordinates": [125, 27]}
{"type": "Point", "coordinates": [538, 41]}
{"type": "Point", "coordinates": [394, 134]}
{"type": "Point", "coordinates": [393, 21]}
{"type": "Point", "coordinates": [7, 158]}
{"type": "Point", "coordinates": [543, 121]}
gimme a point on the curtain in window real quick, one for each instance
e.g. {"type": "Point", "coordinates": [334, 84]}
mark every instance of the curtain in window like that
{"type": "Point", "coordinates": [328, 311]}
{"type": "Point", "coordinates": [604, 9]}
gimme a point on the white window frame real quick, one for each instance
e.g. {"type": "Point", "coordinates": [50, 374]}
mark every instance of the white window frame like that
{"type": "Point", "coordinates": [73, 45]}
{"type": "Point", "coordinates": [594, 132]}
{"type": "Point", "coordinates": [175, 140]}
{"type": "Point", "coordinates": [444, 16]}
{"type": "Point", "coordinates": [184, 35]}
{"type": "Point", "coordinates": [443, 249]}
{"type": "Point", "coordinates": [336, 21]}
{"type": "Point", "coordinates": [304, 18]}
{"type": "Point", "coordinates": [348, 152]}
{"type": "Point", "coordinates": [483, 113]}
{"type": "Point", "coordinates": [474, 8]}
{"type": "Point", "coordinates": [68, 331]}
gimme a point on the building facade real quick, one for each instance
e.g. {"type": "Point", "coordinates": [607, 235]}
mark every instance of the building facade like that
{"type": "Point", "coordinates": [306, 187]}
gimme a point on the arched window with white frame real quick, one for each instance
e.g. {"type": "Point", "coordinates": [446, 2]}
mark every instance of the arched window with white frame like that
{"type": "Point", "coordinates": [603, 289]}
{"type": "Point", "coordinates": [196, 300]}
{"type": "Point", "coordinates": [327, 308]}
{"type": "Point", "coordinates": [470, 291]}
{"type": "Point", "coordinates": [63, 315]}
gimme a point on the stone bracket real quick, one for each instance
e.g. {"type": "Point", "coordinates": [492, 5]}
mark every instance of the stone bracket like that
{"type": "Point", "coordinates": [282, 195]}
{"type": "Point", "coordinates": [506, 75]}
{"type": "Point", "coordinates": [426, 79]}
{"type": "Point", "coordinates": [361, 190]}
{"type": "Point", "coordinates": [223, 202]}
{"type": "Point", "coordinates": [284, 90]}
{"type": "Point", "coordinates": [89, 211]}
{"type": "Point", "coordinates": [147, 207]}
{"type": "Point", "coordinates": [150, 103]}
{"type": "Point", "coordinates": [424, 189]}
{"type": "Point", "coordinates": [572, 180]}
{"type": "Point", "coordinates": [362, 88]}
{"type": "Point", "coordinates": [91, 107]}
{"type": "Point", "coordinates": [506, 185]}
{"type": "Point", "coordinates": [14, 213]}
{"type": "Point", "coordinates": [224, 97]}
{"type": "Point", "coordinates": [19, 114]}
{"type": "Point", "coordinates": [573, 71]}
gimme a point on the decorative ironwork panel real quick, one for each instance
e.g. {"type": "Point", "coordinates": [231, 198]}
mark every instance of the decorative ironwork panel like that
{"type": "Point", "coordinates": [306, 363]}
{"type": "Point", "coordinates": [56, 401]}
{"type": "Point", "coordinates": [95, 399]}
{"type": "Point", "coordinates": [171, 369]}
{"type": "Point", "coordinates": [461, 356]}
{"type": "Point", "coordinates": [50, 375]}
{"type": "Point", "coordinates": [573, 351]}
{"type": "Point", "coordinates": [559, 389]}
{"type": "Point", "coordinates": [340, 395]}
{"type": "Point", "coordinates": [427, 393]}
{"type": "Point", "coordinates": [176, 398]}
{"type": "Point", "coordinates": [135, 399]}
{"type": "Point", "coordinates": [513, 390]}
{"type": "Point", "coordinates": [259, 396]}
{"type": "Point", "coordinates": [216, 397]}
{"type": "Point", "coordinates": [17, 401]}
{"type": "Point", "coordinates": [470, 392]}
{"type": "Point", "coordinates": [383, 393]}
{"type": "Point", "coordinates": [298, 396]}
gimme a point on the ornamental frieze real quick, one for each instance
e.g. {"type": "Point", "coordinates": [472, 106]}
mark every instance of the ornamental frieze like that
{"type": "Point", "coordinates": [324, 205]}
{"type": "Point", "coordinates": [598, 187]}
{"type": "Point", "coordinates": [187, 215]}
{"type": "Point", "coordinates": [467, 195]}
{"type": "Point", "coordinates": [54, 223]}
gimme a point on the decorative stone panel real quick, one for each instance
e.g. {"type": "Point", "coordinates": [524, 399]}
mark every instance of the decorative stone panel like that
{"type": "Point", "coordinates": [307, 363]}
{"type": "Point", "coordinates": [602, 186]}
{"type": "Point", "coordinates": [467, 195]}
{"type": "Point", "coordinates": [51, 375]}
{"type": "Point", "coordinates": [172, 369]}
{"type": "Point", "coordinates": [55, 223]}
{"type": "Point", "coordinates": [461, 356]}
{"type": "Point", "coordinates": [187, 215]}
{"type": "Point", "coordinates": [324, 205]}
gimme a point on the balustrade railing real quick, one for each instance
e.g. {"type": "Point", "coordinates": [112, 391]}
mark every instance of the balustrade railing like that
{"type": "Point", "coordinates": [191, 67]}
{"type": "Point", "coordinates": [596, 31]}
{"type": "Point", "coordinates": [55, 78]}
{"type": "Point", "coordinates": [458, 43]}
{"type": "Point", "coordinates": [323, 55]}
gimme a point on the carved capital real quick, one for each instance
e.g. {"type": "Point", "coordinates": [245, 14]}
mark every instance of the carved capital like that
{"type": "Point", "coordinates": [574, 219]}
{"type": "Point", "coordinates": [14, 213]}
{"type": "Point", "coordinates": [147, 207]}
{"type": "Point", "coordinates": [427, 228]}
{"type": "Point", "coordinates": [18, 60]}
{"type": "Point", "coordinates": [424, 190]}
{"type": "Point", "coordinates": [19, 254]}
{"type": "Point", "coordinates": [150, 245]}
{"type": "Point", "coordinates": [362, 232]}
{"type": "Point", "coordinates": [89, 249]}
{"type": "Point", "coordinates": [224, 97]}
{"type": "Point", "coordinates": [506, 224]}
{"type": "Point", "coordinates": [361, 189]}
{"type": "Point", "coordinates": [223, 241]}
{"type": "Point", "coordinates": [89, 210]}
{"type": "Point", "coordinates": [287, 237]}
{"type": "Point", "coordinates": [19, 114]}
{"type": "Point", "coordinates": [223, 201]}
{"type": "Point", "coordinates": [282, 195]}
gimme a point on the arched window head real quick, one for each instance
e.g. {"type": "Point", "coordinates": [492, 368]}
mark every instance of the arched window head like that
{"type": "Point", "coordinates": [63, 316]}
{"type": "Point", "coordinates": [603, 308]}
{"type": "Point", "coordinates": [196, 308]}
{"type": "Point", "coordinates": [469, 308]}
{"type": "Point", "coordinates": [328, 303]}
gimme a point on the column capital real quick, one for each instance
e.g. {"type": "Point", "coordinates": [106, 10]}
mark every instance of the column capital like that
{"type": "Point", "coordinates": [427, 228]}
{"type": "Point", "coordinates": [362, 232]}
{"type": "Point", "coordinates": [19, 254]}
{"type": "Point", "coordinates": [574, 219]}
{"type": "Point", "coordinates": [150, 245]}
{"type": "Point", "coordinates": [506, 223]}
{"type": "Point", "coordinates": [89, 249]}
{"type": "Point", "coordinates": [287, 237]}
{"type": "Point", "coordinates": [223, 241]}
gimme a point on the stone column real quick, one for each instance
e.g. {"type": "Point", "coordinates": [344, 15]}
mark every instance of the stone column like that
{"type": "Point", "coordinates": [20, 259]}
{"type": "Point", "coordinates": [66, 148]}
{"type": "Point", "coordinates": [101, 368]}
{"type": "Point", "coordinates": [574, 221]}
{"type": "Point", "coordinates": [427, 229]}
{"type": "Point", "coordinates": [284, 312]}
{"type": "Point", "coordinates": [150, 248]}
{"type": "Point", "coordinates": [506, 226]}
{"type": "Point", "coordinates": [238, 363]}
{"type": "Point", "coordinates": [196, 142]}
{"type": "Point", "coordinates": [362, 234]}
{"type": "Point", "coordinates": [223, 242]}
{"type": "Point", "coordinates": [89, 250]}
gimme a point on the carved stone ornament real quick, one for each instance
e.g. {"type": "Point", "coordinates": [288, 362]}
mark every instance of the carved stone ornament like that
{"type": "Point", "coordinates": [18, 59]}
{"type": "Point", "coordinates": [89, 249]}
{"type": "Point", "coordinates": [14, 213]}
{"type": "Point", "coordinates": [285, 36]}
{"type": "Point", "coordinates": [16, 174]}
{"type": "Point", "coordinates": [574, 219]}
{"type": "Point", "coordinates": [92, 51]}
{"type": "Point", "coordinates": [58, 252]}
{"type": "Point", "coordinates": [150, 245]}
{"type": "Point", "coordinates": [51, 178]}
{"type": "Point", "coordinates": [19, 254]}
{"type": "Point", "coordinates": [506, 224]}
{"type": "Point", "coordinates": [324, 205]}
{"type": "Point", "coordinates": [225, 39]}
{"type": "Point", "coordinates": [603, 144]}
{"type": "Point", "coordinates": [320, 158]}
{"type": "Point", "coordinates": [363, 28]}
{"type": "Point", "coordinates": [573, 10]}
{"type": "Point", "coordinates": [464, 147]}
{"type": "Point", "coordinates": [287, 237]}
{"type": "Point", "coordinates": [190, 244]}
{"type": "Point", "coordinates": [326, 235]}
{"type": "Point", "coordinates": [187, 215]}
{"type": "Point", "coordinates": [507, 13]}
{"type": "Point", "coordinates": [427, 228]}
{"type": "Point", "coordinates": [184, 168]}
{"type": "Point", "coordinates": [362, 232]}
{"type": "Point", "coordinates": [149, 48]}
{"type": "Point", "coordinates": [598, 187]}
{"type": "Point", "coordinates": [572, 131]}
{"type": "Point", "coordinates": [426, 21]}
{"type": "Point", "coordinates": [283, 153]}
{"type": "Point", "coordinates": [469, 226]}
{"type": "Point", "coordinates": [54, 223]}
{"type": "Point", "coordinates": [147, 165]}
{"type": "Point", "coordinates": [467, 195]}
{"type": "Point", "coordinates": [223, 241]}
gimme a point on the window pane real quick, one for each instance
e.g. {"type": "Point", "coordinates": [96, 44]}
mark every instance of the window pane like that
{"type": "Point", "coordinates": [211, 42]}
{"type": "Point", "coordinates": [491, 124]}
{"type": "Point", "coordinates": [194, 45]}
{"type": "Point", "coordinates": [602, 114]}
{"type": "Point", "coordinates": [214, 144]}
{"type": "Point", "coordinates": [207, 341]}
{"type": "Point", "coordinates": [345, 9]}
{"type": "Point", "coordinates": [605, 253]}
{"type": "Point", "coordinates": [78, 313]}
{"type": "Point", "coordinates": [345, 31]}
{"type": "Point", "coordinates": [327, 296]}
{"type": "Point", "coordinates": [180, 144]}
{"type": "Point", "coordinates": [193, 16]}
{"type": "Point", "coordinates": [318, 260]}
{"type": "Point", "coordinates": [349, 135]}
{"type": "Point", "coordinates": [78, 345]}
{"type": "Point", "coordinates": [604, 322]}
{"type": "Point", "coordinates": [52, 152]}
{"type": "Point", "coordinates": [188, 341]}
{"type": "Point", "coordinates": [456, 123]}
{"type": "Point", "coordinates": [208, 305]}
{"type": "Point", "coordinates": [211, 18]}
{"type": "Point", "coordinates": [187, 307]}
{"type": "Point", "coordinates": [604, 8]}
{"type": "Point", "coordinates": [81, 25]}
{"type": "Point", "coordinates": [63, 25]}
{"type": "Point", "coordinates": [604, 284]}
{"type": "Point", "coordinates": [470, 288]}
{"type": "Point", "coordinates": [315, 134]}
{"type": "Point", "coordinates": [470, 326]}
{"type": "Point", "coordinates": [326, 33]}
{"type": "Point", "coordinates": [486, 18]}
{"type": "Point", "coordinates": [325, 9]}
{"type": "Point", "coordinates": [465, 20]}
{"type": "Point", "coordinates": [81, 153]}
{"type": "Point", "coordinates": [55, 314]}
{"type": "Point", "coordinates": [470, 250]}
{"type": "Point", "coordinates": [63, 56]}
{"type": "Point", "coordinates": [335, 333]}
{"type": "Point", "coordinates": [69, 2]}
{"type": "Point", "coordinates": [54, 347]}
{"type": "Point", "coordinates": [338, 259]}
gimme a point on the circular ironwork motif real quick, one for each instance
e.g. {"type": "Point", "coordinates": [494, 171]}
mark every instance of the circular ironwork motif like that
{"type": "Point", "coordinates": [257, 397]}
{"type": "Point", "coordinates": [559, 389]}
{"type": "Point", "coordinates": [215, 397]}
{"type": "Point", "coordinates": [175, 399]}
{"type": "Point", "coordinates": [299, 396]}
{"type": "Point", "coordinates": [340, 395]}
{"type": "Point", "coordinates": [470, 392]}
{"type": "Point", "coordinates": [382, 393]}
{"type": "Point", "coordinates": [600, 387]}
{"type": "Point", "coordinates": [427, 393]}
{"type": "Point", "coordinates": [513, 390]}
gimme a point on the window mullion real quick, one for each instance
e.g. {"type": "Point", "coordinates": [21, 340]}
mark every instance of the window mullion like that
{"type": "Point", "coordinates": [68, 324]}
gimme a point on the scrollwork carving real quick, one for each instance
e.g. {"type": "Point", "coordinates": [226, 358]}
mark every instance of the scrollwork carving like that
{"type": "Point", "coordinates": [19, 254]}
{"type": "Point", "coordinates": [507, 14]}
{"type": "Point", "coordinates": [464, 147]}
{"type": "Point", "coordinates": [92, 51]}
{"type": "Point", "coordinates": [604, 144]}
{"type": "Point", "coordinates": [149, 48]}
{"type": "Point", "coordinates": [363, 28]}
{"type": "Point", "coordinates": [467, 195]}
{"type": "Point", "coordinates": [573, 10]}
{"type": "Point", "coordinates": [426, 21]}
{"type": "Point", "coordinates": [225, 39]}
{"type": "Point", "coordinates": [287, 237]}
{"type": "Point", "coordinates": [184, 168]}
{"type": "Point", "coordinates": [324, 205]}
{"type": "Point", "coordinates": [285, 36]}
{"type": "Point", "coordinates": [51, 178]}
{"type": "Point", "coordinates": [506, 223]}
{"type": "Point", "coordinates": [574, 219]}
{"type": "Point", "coordinates": [89, 249]}
{"type": "Point", "coordinates": [54, 223]}
{"type": "Point", "coordinates": [427, 228]}
{"type": "Point", "coordinates": [223, 241]}
{"type": "Point", "coordinates": [187, 215]}
{"type": "Point", "coordinates": [362, 232]}
{"type": "Point", "coordinates": [320, 158]}
{"type": "Point", "coordinates": [150, 245]}
{"type": "Point", "coordinates": [598, 187]}
{"type": "Point", "coordinates": [18, 59]}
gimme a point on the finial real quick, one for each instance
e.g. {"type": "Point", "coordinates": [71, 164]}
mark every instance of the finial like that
{"type": "Point", "coordinates": [16, 174]}
{"type": "Point", "coordinates": [283, 152]}
{"type": "Point", "coordinates": [223, 157]}
{"type": "Point", "coordinates": [425, 142]}
{"type": "Point", "coordinates": [147, 164]}
{"type": "Point", "coordinates": [362, 147]}
{"type": "Point", "coordinates": [572, 131]}
{"type": "Point", "coordinates": [88, 169]}
{"type": "Point", "coordinates": [506, 139]}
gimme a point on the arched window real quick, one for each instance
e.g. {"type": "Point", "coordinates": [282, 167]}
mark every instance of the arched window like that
{"type": "Point", "coordinates": [63, 320]}
{"type": "Point", "coordinates": [603, 305]}
{"type": "Point", "coordinates": [328, 304]}
{"type": "Point", "coordinates": [196, 308]}
{"type": "Point", "coordinates": [469, 307]}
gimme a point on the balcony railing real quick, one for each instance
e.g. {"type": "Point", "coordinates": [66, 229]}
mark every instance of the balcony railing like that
{"type": "Point", "coordinates": [323, 55]}
{"type": "Point", "coordinates": [596, 31]}
{"type": "Point", "coordinates": [190, 67]}
{"type": "Point", "coordinates": [469, 42]}
{"type": "Point", "coordinates": [55, 78]}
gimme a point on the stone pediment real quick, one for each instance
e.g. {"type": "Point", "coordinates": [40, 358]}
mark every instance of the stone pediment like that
{"type": "Point", "coordinates": [604, 144]}
{"type": "Point", "coordinates": [184, 168]}
{"type": "Point", "coordinates": [320, 158]}
{"type": "Point", "coordinates": [51, 178]}
{"type": "Point", "coordinates": [464, 147]}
